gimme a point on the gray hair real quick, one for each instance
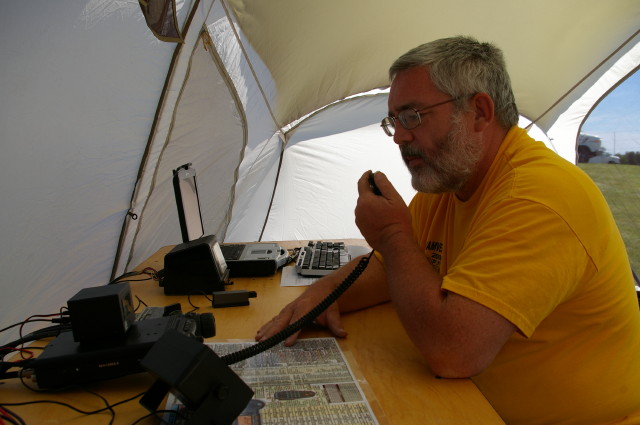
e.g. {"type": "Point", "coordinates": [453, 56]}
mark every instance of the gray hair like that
{"type": "Point", "coordinates": [461, 67]}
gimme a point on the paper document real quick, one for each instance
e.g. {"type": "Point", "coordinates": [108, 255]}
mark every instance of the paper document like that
{"type": "Point", "coordinates": [290, 277]}
{"type": "Point", "coordinates": [310, 383]}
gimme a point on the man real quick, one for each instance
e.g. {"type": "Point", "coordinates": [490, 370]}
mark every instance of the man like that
{"type": "Point", "coordinates": [507, 266]}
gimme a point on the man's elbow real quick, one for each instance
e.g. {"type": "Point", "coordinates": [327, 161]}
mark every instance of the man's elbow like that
{"type": "Point", "coordinates": [452, 366]}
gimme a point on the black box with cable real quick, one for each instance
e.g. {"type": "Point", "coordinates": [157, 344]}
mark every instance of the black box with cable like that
{"type": "Point", "coordinates": [193, 267]}
{"type": "Point", "coordinates": [107, 340]}
{"type": "Point", "coordinates": [231, 298]}
{"type": "Point", "coordinates": [103, 313]}
{"type": "Point", "coordinates": [67, 362]}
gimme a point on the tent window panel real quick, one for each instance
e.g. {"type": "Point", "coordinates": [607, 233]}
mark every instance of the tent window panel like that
{"type": "Point", "coordinates": [161, 18]}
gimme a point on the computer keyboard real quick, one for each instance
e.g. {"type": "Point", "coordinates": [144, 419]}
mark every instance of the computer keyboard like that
{"type": "Point", "coordinates": [321, 258]}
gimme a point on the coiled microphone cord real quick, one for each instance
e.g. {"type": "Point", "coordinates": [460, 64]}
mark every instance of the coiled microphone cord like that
{"type": "Point", "coordinates": [272, 341]}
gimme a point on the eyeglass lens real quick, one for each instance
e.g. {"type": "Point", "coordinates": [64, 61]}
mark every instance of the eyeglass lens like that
{"type": "Point", "coordinates": [409, 119]}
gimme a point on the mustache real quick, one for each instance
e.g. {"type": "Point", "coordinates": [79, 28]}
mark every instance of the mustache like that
{"type": "Point", "coordinates": [411, 151]}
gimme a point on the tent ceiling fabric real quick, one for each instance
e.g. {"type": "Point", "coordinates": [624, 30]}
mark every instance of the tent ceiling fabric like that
{"type": "Point", "coordinates": [318, 52]}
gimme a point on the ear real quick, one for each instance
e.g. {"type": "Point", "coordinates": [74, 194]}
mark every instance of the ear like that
{"type": "Point", "coordinates": [484, 114]}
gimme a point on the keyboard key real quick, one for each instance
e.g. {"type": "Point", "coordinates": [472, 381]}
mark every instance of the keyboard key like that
{"type": "Point", "coordinates": [321, 258]}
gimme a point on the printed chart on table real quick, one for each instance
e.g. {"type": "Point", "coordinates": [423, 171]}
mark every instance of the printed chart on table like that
{"type": "Point", "coordinates": [310, 383]}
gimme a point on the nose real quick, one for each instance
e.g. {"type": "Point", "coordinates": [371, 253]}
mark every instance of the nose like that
{"type": "Point", "coordinates": [402, 136]}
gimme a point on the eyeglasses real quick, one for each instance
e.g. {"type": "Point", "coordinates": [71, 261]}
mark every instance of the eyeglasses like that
{"type": "Point", "coordinates": [409, 118]}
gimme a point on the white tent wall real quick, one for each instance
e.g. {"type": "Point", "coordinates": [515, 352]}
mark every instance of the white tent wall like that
{"type": "Point", "coordinates": [256, 90]}
{"type": "Point", "coordinates": [325, 156]}
{"type": "Point", "coordinates": [254, 191]}
{"type": "Point", "coordinates": [79, 85]}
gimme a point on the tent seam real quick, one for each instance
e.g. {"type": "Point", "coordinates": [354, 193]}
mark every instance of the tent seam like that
{"type": "Point", "coordinates": [583, 79]}
{"type": "Point", "coordinates": [161, 154]}
{"type": "Point", "coordinates": [243, 117]}
{"type": "Point", "coordinates": [329, 106]}
{"type": "Point", "coordinates": [604, 95]}
{"type": "Point", "coordinates": [145, 155]}
{"type": "Point", "coordinates": [269, 108]}
{"type": "Point", "coordinates": [246, 56]}
{"type": "Point", "coordinates": [275, 187]}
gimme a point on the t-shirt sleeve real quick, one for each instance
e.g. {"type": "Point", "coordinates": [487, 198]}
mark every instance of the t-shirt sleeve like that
{"type": "Point", "coordinates": [521, 260]}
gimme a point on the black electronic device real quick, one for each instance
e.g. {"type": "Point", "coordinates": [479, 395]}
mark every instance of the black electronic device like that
{"type": "Point", "coordinates": [112, 338]}
{"type": "Point", "coordinates": [66, 362]}
{"type": "Point", "coordinates": [205, 322]}
{"type": "Point", "coordinates": [242, 260]}
{"type": "Point", "coordinates": [186, 192]}
{"type": "Point", "coordinates": [155, 312]}
{"type": "Point", "coordinates": [194, 267]}
{"type": "Point", "coordinates": [211, 391]}
{"type": "Point", "coordinates": [372, 184]}
{"type": "Point", "coordinates": [102, 313]}
{"type": "Point", "coordinates": [254, 259]}
{"type": "Point", "coordinates": [232, 298]}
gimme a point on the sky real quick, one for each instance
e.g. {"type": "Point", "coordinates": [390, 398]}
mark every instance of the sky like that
{"type": "Point", "coordinates": [616, 119]}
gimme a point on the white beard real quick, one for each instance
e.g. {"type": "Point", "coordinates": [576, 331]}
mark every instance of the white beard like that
{"type": "Point", "coordinates": [452, 166]}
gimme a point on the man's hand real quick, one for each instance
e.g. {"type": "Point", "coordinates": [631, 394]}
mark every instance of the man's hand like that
{"type": "Point", "coordinates": [330, 318]}
{"type": "Point", "coordinates": [369, 289]}
{"type": "Point", "coordinates": [381, 218]}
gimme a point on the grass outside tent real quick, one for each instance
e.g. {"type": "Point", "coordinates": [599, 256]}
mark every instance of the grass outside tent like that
{"type": "Point", "coordinates": [620, 185]}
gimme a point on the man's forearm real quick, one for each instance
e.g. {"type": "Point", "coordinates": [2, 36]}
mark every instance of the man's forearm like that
{"type": "Point", "coordinates": [457, 336]}
{"type": "Point", "coordinates": [414, 288]}
{"type": "Point", "coordinates": [369, 288]}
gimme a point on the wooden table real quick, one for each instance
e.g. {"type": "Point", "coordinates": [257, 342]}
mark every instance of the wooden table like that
{"type": "Point", "coordinates": [402, 389]}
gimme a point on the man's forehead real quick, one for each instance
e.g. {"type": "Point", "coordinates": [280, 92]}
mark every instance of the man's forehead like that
{"type": "Point", "coordinates": [419, 73]}
{"type": "Point", "coordinates": [411, 87]}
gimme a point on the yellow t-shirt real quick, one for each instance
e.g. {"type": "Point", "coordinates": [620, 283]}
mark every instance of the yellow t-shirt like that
{"type": "Point", "coordinates": [537, 244]}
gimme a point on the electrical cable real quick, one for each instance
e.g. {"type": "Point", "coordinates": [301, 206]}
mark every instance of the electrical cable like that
{"type": "Point", "coordinates": [13, 347]}
{"type": "Point", "coordinates": [8, 419]}
{"type": "Point", "coordinates": [124, 275]}
{"type": "Point", "coordinates": [109, 407]}
{"type": "Point", "coordinates": [36, 335]}
{"type": "Point", "coordinates": [24, 363]}
{"type": "Point", "coordinates": [150, 271]}
{"type": "Point", "coordinates": [156, 413]}
{"type": "Point", "coordinates": [22, 323]}
{"type": "Point", "coordinates": [274, 340]}
{"type": "Point", "coordinates": [292, 257]}
{"type": "Point", "coordinates": [202, 293]}
{"type": "Point", "coordinates": [10, 416]}
{"type": "Point", "coordinates": [63, 319]}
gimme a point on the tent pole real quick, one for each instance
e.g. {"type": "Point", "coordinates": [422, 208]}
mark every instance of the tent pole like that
{"type": "Point", "coordinates": [275, 186]}
{"type": "Point", "coordinates": [130, 215]}
{"type": "Point", "coordinates": [627, 41]}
